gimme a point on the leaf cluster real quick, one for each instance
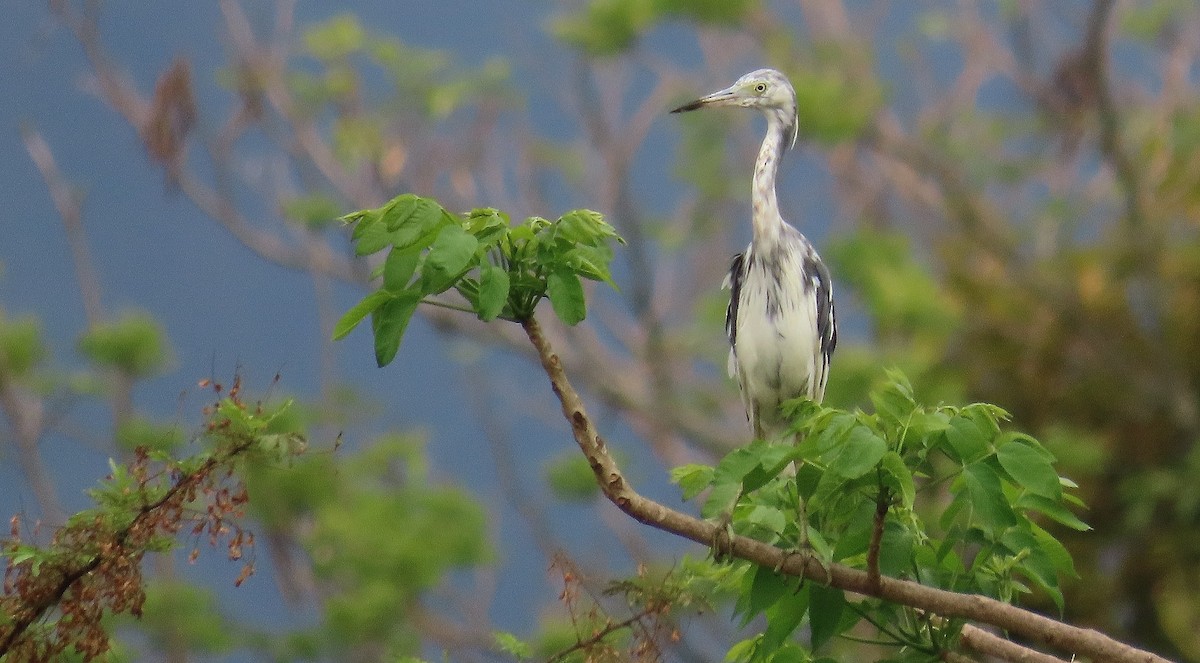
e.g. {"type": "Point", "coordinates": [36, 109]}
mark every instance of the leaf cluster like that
{"type": "Point", "coordinates": [500, 270]}
{"type": "Point", "coordinates": [56, 595]}
{"type": "Point", "coordinates": [611, 27]}
{"type": "Point", "coordinates": [941, 495]}
{"type": "Point", "coordinates": [423, 82]}
{"type": "Point", "coordinates": [133, 344]}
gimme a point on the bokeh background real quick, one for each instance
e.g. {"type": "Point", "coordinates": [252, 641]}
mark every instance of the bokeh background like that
{"type": "Point", "coordinates": [1008, 194]}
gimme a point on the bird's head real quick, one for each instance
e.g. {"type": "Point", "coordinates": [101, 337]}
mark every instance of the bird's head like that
{"type": "Point", "coordinates": [765, 89]}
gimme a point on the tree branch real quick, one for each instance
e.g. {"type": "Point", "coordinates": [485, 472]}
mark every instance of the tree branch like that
{"type": "Point", "coordinates": [1038, 628]}
{"type": "Point", "coordinates": [990, 644]}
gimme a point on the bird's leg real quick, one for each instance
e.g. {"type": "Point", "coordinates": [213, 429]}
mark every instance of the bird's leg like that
{"type": "Point", "coordinates": [804, 545]}
{"type": "Point", "coordinates": [802, 520]}
{"type": "Point", "coordinates": [801, 510]}
{"type": "Point", "coordinates": [722, 538]}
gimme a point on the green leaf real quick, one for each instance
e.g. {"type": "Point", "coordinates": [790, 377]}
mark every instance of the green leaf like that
{"type": "Point", "coordinates": [772, 460]}
{"type": "Point", "coordinates": [966, 440]}
{"type": "Point", "coordinates": [389, 321]}
{"type": "Point", "coordinates": [583, 226]}
{"type": "Point", "coordinates": [360, 220]}
{"type": "Point", "coordinates": [765, 588]}
{"type": "Point", "coordinates": [825, 612]}
{"type": "Point", "coordinates": [1034, 563]}
{"type": "Point", "coordinates": [858, 453]}
{"type": "Point", "coordinates": [727, 481]}
{"type": "Point", "coordinates": [767, 520]}
{"type": "Point", "coordinates": [830, 489]}
{"type": "Point", "coordinates": [409, 210]}
{"type": "Point", "coordinates": [399, 268]}
{"type": "Point", "coordinates": [1055, 551]}
{"type": "Point", "coordinates": [784, 617]}
{"type": "Point", "coordinates": [827, 437]}
{"type": "Point", "coordinates": [895, 550]}
{"type": "Point", "coordinates": [370, 236]}
{"type": "Point", "coordinates": [901, 478]}
{"type": "Point", "coordinates": [808, 477]}
{"type": "Point", "coordinates": [856, 537]}
{"type": "Point", "coordinates": [925, 426]}
{"type": "Point", "coordinates": [1055, 510]}
{"type": "Point", "coordinates": [566, 296]}
{"type": "Point", "coordinates": [493, 290]}
{"type": "Point", "coordinates": [1029, 468]}
{"type": "Point", "coordinates": [894, 400]}
{"type": "Point", "coordinates": [590, 262]}
{"type": "Point", "coordinates": [448, 258]}
{"type": "Point", "coordinates": [421, 236]}
{"type": "Point", "coordinates": [577, 227]}
{"type": "Point", "coordinates": [362, 309]}
{"type": "Point", "coordinates": [511, 644]}
{"type": "Point", "coordinates": [692, 479]}
{"type": "Point", "coordinates": [407, 221]}
{"type": "Point", "coordinates": [987, 496]}
{"type": "Point", "coordinates": [412, 220]}
{"type": "Point", "coordinates": [821, 548]}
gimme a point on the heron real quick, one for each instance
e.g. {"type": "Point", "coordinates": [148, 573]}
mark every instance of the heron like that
{"type": "Point", "coordinates": [780, 319]}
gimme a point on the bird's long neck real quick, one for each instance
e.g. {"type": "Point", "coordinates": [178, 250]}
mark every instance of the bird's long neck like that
{"type": "Point", "coordinates": [766, 217]}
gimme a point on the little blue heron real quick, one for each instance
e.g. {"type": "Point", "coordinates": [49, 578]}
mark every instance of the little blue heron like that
{"type": "Point", "coordinates": [780, 318]}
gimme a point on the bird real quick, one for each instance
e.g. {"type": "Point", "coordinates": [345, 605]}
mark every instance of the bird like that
{"type": "Point", "coordinates": [780, 319]}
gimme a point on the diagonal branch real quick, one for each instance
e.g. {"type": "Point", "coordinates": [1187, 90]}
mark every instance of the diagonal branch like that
{"type": "Point", "coordinates": [979, 640]}
{"type": "Point", "coordinates": [1038, 628]}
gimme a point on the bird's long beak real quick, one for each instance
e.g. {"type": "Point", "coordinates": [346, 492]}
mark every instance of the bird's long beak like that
{"type": "Point", "coordinates": [721, 98]}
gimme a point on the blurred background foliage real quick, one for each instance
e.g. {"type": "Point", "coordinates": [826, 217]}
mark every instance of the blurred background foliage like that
{"type": "Point", "coordinates": [1008, 194]}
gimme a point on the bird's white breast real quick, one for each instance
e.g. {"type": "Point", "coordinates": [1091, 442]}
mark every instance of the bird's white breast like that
{"type": "Point", "coordinates": [776, 353]}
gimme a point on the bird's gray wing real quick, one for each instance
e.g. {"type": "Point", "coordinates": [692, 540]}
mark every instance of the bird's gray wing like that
{"type": "Point", "coordinates": [826, 322]}
{"type": "Point", "coordinates": [819, 280]}
{"type": "Point", "coordinates": [734, 282]}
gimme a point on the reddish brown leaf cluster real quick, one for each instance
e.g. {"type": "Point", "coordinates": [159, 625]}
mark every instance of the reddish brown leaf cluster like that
{"type": "Point", "coordinates": [55, 596]}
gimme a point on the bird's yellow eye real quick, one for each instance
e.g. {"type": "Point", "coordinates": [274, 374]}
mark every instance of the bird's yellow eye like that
{"type": "Point", "coordinates": [760, 88]}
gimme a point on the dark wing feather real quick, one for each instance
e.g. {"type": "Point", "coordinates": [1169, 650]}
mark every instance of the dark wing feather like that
{"type": "Point", "coordinates": [826, 323]}
{"type": "Point", "coordinates": [735, 294]}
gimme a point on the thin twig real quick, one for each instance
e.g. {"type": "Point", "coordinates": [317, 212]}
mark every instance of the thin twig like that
{"type": "Point", "coordinates": [608, 630]}
{"type": "Point", "coordinates": [881, 509]}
